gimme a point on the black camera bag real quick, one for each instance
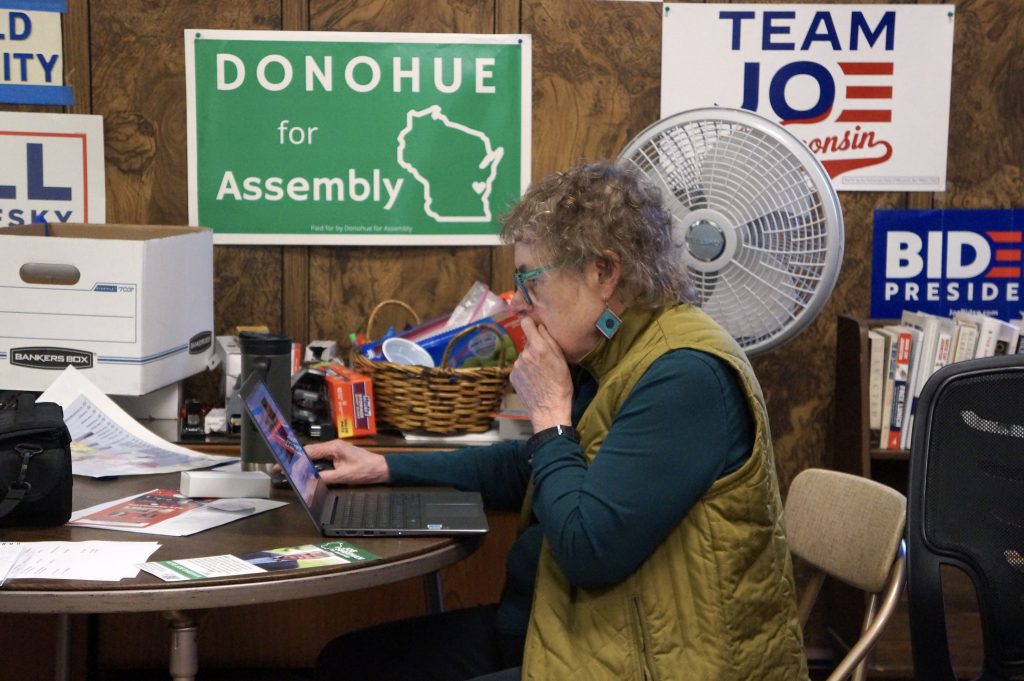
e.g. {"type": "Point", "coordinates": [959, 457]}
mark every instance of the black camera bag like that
{"type": "Point", "coordinates": [35, 464]}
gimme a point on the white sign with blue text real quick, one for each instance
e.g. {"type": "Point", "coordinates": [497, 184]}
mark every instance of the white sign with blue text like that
{"type": "Point", "coordinates": [52, 170]}
{"type": "Point", "coordinates": [866, 87]}
{"type": "Point", "coordinates": [31, 53]}
{"type": "Point", "coordinates": [944, 261]}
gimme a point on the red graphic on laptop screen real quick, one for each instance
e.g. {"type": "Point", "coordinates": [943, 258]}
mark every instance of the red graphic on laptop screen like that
{"type": "Point", "coordinates": [281, 439]}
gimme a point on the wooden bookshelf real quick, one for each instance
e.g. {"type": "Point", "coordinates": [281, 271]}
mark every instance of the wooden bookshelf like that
{"type": "Point", "coordinates": [854, 451]}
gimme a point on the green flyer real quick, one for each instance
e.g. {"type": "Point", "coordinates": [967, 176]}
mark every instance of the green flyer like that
{"type": "Point", "coordinates": [256, 562]}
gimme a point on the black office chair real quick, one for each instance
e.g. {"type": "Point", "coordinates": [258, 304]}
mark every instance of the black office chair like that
{"type": "Point", "coordinates": [965, 509]}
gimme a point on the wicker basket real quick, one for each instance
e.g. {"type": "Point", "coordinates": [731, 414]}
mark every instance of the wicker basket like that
{"type": "Point", "coordinates": [433, 399]}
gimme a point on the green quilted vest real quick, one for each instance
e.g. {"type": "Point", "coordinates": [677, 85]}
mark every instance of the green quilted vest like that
{"type": "Point", "coordinates": [716, 600]}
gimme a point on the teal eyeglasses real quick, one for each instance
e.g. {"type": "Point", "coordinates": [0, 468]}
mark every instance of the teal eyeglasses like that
{"type": "Point", "coordinates": [523, 277]}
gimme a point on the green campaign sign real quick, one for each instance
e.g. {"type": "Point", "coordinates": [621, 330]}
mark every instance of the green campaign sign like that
{"type": "Point", "coordinates": [356, 138]}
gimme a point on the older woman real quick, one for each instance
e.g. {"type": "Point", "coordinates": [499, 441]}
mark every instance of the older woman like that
{"type": "Point", "coordinates": [652, 545]}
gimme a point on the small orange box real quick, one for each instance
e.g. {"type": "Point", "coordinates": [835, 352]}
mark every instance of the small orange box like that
{"type": "Point", "coordinates": [351, 396]}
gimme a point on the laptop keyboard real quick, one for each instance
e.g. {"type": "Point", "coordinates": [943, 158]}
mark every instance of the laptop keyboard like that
{"type": "Point", "coordinates": [379, 510]}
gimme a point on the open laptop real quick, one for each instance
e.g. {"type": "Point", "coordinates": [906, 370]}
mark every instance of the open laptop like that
{"type": "Point", "coordinates": [346, 512]}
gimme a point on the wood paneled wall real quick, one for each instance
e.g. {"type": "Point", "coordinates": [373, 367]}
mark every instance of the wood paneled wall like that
{"type": "Point", "coordinates": [596, 78]}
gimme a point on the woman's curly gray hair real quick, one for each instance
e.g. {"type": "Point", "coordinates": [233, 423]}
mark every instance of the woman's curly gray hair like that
{"type": "Point", "coordinates": [573, 217]}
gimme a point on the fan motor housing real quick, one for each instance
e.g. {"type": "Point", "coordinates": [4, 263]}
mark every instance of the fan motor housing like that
{"type": "Point", "coordinates": [709, 239]}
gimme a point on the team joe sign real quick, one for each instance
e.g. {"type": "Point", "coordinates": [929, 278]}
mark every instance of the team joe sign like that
{"type": "Point", "coordinates": [866, 87]}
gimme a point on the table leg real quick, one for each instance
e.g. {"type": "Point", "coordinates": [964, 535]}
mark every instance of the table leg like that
{"type": "Point", "coordinates": [62, 660]}
{"type": "Point", "coordinates": [435, 596]}
{"type": "Point", "coordinates": [184, 664]}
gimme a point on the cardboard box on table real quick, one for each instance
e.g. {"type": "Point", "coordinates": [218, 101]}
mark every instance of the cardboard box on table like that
{"type": "Point", "coordinates": [351, 397]}
{"type": "Point", "coordinates": [131, 306]}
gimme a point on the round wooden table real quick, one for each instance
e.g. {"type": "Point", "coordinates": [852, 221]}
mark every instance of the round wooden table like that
{"type": "Point", "coordinates": [400, 558]}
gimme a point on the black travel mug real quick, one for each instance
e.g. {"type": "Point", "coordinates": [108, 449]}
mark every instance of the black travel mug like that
{"type": "Point", "coordinates": [271, 357]}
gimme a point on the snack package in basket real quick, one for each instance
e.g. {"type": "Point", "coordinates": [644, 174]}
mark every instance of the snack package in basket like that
{"type": "Point", "coordinates": [478, 349]}
{"type": "Point", "coordinates": [472, 350]}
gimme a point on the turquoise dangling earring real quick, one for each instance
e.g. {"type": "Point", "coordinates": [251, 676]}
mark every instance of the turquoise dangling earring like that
{"type": "Point", "coordinates": [608, 324]}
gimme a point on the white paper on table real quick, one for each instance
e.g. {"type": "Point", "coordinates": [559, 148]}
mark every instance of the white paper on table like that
{"type": "Point", "coordinates": [181, 525]}
{"type": "Point", "coordinates": [199, 568]}
{"type": "Point", "coordinates": [107, 561]}
{"type": "Point", "coordinates": [485, 438]}
{"type": "Point", "coordinates": [106, 441]}
{"type": "Point", "coordinates": [9, 552]}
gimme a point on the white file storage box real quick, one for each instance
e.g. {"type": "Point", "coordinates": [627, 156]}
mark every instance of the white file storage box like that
{"type": "Point", "coordinates": [131, 306]}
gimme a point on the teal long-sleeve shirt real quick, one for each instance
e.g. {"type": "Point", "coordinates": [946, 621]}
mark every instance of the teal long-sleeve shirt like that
{"type": "Point", "coordinates": [684, 425]}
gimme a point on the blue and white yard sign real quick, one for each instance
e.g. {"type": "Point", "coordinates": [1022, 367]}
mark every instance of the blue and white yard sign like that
{"type": "Point", "coordinates": [865, 87]}
{"type": "Point", "coordinates": [942, 261]}
{"type": "Point", "coordinates": [51, 168]}
{"type": "Point", "coordinates": [31, 53]}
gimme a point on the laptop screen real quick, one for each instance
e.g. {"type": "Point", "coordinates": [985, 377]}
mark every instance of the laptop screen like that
{"type": "Point", "coordinates": [281, 439]}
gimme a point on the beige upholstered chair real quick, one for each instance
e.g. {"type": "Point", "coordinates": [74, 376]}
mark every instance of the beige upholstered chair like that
{"type": "Point", "coordinates": [849, 528]}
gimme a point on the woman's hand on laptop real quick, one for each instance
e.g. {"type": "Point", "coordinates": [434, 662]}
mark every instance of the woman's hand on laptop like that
{"type": "Point", "coordinates": [351, 465]}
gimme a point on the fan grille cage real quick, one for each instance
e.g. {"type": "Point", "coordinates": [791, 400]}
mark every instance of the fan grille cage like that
{"type": "Point", "coordinates": [776, 198]}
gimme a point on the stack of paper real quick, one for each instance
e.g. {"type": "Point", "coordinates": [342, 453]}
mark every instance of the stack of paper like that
{"type": "Point", "coordinates": [106, 561]}
{"type": "Point", "coordinates": [9, 552]}
{"type": "Point", "coordinates": [106, 441]}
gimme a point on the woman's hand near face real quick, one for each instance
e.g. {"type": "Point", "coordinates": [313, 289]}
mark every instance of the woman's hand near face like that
{"type": "Point", "coordinates": [352, 465]}
{"type": "Point", "coordinates": [541, 378]}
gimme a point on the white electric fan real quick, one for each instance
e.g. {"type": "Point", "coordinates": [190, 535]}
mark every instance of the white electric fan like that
{"type": "Point", "coordinates": [755, 218]}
